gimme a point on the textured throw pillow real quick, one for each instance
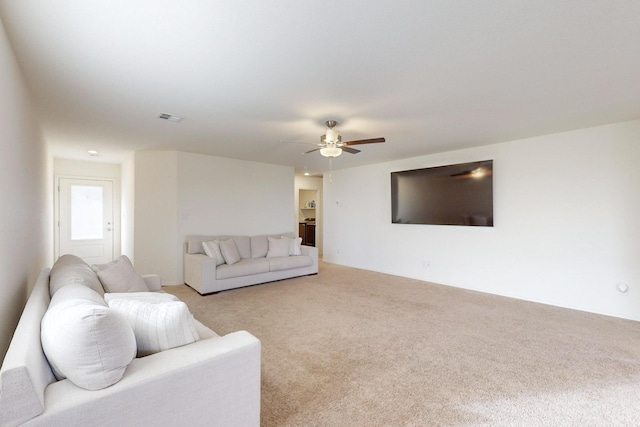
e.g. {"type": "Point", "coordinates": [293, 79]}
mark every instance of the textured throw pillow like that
{"type": "Point", "coordinates": [153, 297]}
{"type": "Point", "coordinates": [229, 251]}
{"type": "Point", "coordinates": [294, 245]}
{"type": "Point", "coordinates": [119, 276]}
{"type": "Point", "coordinates": [278, 247]}
{"type": "Point", "coordinates": [243, 243]}
{"type": "Point", "coordinates": [85, 341]}
{"type": "Point", "coordinates": [212, 249]}
{"type": "Point", "coordinates": [157, 326]}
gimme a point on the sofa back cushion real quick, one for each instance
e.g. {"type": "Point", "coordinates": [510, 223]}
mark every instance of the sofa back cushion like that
{"type": "Point", "coordinates": [194, 243]}
{"type": "Point", "coordinates": [70, 269]}
{"type": "Point", "coordinates": [259, 246]}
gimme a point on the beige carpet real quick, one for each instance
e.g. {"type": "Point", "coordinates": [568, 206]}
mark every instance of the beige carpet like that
{"type": "Point", "coordinates": [351, 347]}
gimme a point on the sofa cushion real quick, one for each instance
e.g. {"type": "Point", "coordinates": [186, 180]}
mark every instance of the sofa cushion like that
{"type": "Point", "coordinates": [259, 246]}
{"type": "Point", "coordinates": [278, 247]}
{"type": "Point", "coordinates": [243, 243]}
{"type": "Point", "coordinates": [294, 245]}
{"type": "Point", "coordinates": [158, 324]}
{"type": "Point", "coordinates": [142, 296]}
{"type": "Point", "coordinates": [289, 262]}
{"type": "Point", "coordinates": [84, 340]}
{"type": "Point", "coordinates": [212, 249]}
{"type": "Point", "coordinates": [70, 269]}
{"type": "Point", "coordinates": [245, 267]}
{"type": "Point", "coordinates": [120, 276]}
{"type": "Point", "coordinates": [229, 251]}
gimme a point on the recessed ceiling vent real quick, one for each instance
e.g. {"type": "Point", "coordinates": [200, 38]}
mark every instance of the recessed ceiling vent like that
{"type": "Point", "coordinates": [170, 117]}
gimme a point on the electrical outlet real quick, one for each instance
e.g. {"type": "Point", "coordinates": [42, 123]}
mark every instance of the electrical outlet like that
{"type": "Point", "coordinates": [426, 263]}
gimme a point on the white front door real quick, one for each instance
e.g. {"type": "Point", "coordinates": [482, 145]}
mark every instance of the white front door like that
{"type": "Point", "coordinates": [85, 226]}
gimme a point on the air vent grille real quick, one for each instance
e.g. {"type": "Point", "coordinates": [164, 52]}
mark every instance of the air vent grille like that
{"type": "Point", "coordinates": [170, 117]}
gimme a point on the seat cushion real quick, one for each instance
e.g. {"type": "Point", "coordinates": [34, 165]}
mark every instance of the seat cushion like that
{"type": "Point", "coordinates": [288, 262]}
{"type": "Point", "coordinates": [244, 267]}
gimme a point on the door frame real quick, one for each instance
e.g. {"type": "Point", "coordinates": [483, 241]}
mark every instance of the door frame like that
{"type": "Point", "coordinates": [56, 211]}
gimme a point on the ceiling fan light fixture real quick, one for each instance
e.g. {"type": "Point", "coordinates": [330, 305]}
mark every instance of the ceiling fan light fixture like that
{"type": "Point", "coordinates": [331, 151]}
{"type": "Point", "coordinates": [332, 135]}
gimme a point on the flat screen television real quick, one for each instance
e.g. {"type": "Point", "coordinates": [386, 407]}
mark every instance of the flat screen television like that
{"type": "Point", "coordinates": [460, 194]}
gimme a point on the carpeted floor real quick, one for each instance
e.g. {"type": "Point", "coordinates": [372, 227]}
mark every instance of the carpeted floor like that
{"type": "Point", "coordinates": [350, 347]}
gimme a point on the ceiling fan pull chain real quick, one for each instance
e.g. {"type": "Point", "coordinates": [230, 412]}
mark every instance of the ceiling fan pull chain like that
{"type": "Point", "coordinates": [330, 168]}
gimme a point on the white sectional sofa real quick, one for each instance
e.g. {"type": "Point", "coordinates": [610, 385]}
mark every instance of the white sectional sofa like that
{"type": "Point", "coordinates": [214, 381]}
{"type": "Point", "coordinates": [259, 259]}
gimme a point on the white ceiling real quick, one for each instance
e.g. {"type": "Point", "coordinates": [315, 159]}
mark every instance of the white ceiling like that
{"type": "Point", "coordinates": [428, 75]}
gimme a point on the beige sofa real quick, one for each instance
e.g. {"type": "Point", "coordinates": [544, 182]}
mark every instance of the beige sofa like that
{"type": "Point", "coordinates": [214, 381]}
{"type": "Point", "coordinates": [258, 262]}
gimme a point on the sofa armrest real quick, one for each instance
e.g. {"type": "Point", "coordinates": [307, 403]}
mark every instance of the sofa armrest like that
{"type": "Point", "coordinates": [200, 273]}
{"type": "Point", "coordinates": [212, 382]}
{"type": "Point", "coordinates": [153, 281]}
{"type": "Point", "coordinates": [311, 251]}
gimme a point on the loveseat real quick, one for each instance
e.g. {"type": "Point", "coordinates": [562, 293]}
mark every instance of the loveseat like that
{"type": "Point", "coordinates": [210, 381]}
{"type": "Point", "coordinates": [217, 263]}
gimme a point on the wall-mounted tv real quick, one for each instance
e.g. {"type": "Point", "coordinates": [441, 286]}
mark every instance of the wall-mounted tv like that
{"type": "Point", "coordinates": [460, 194]}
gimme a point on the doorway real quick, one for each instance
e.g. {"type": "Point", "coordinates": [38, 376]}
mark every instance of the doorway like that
{"type": "Point", "coordinates": [307, 218]}
{"type": "Point", "coordinates": [85, 219]}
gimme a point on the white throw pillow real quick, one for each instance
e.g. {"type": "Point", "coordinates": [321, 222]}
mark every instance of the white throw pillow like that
{"type": "Point", "coordinates": [157, 326]}
{"type": "Point", "coordinates": [294, 245]}
{"type": "Point", "coordinates": [229, 251]}
{"type": "Point", "coordinates": [278, 247]}
{"type": "Point", "coordinates": [152, 297]}
{"type": "Point", "coordinates": [212, 249]}
{"type": "Point", "coordinates": [120, 276]}
{"type": "Point", "coordinates": [85, 341]}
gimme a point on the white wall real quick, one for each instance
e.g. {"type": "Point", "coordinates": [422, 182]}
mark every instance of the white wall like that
{"type": "Point", "coordinates": [178, 194]}
{"type": "Point", "coordinates": [155, 229]}
{"type": "Point", "coordinates": [128, 206]}
{"type": "Point", "coordinates": [566, 212]}
{"type": "Point", "coordinates": [25, 246]}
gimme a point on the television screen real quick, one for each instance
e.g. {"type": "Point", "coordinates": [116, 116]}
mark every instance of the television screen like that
{"type": "Point", "coordinates": [459, 194]}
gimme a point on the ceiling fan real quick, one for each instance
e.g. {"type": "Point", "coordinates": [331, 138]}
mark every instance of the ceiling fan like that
{"type": "Point", "coordinates": [331, 144]}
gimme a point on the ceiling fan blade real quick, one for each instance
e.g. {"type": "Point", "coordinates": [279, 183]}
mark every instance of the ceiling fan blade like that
{"type": "Point", "coordinates": [364, 141]}
{"type": "Point", "coordinates": [311, 151]}
{"type": "Point", "coordinates": [350, 150]}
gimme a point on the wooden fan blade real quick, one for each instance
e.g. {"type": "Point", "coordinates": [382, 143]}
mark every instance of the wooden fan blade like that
{"type": "Point", "coordinates": [364, 141]}
{"type": "Point", "coordinates": [311, 151]}
{"type": "Point", "coordinates": [350, 150]}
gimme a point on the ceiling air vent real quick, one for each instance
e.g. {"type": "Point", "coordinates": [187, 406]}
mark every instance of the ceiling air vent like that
{"type": "Point", "coordinates": [170, 117]}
